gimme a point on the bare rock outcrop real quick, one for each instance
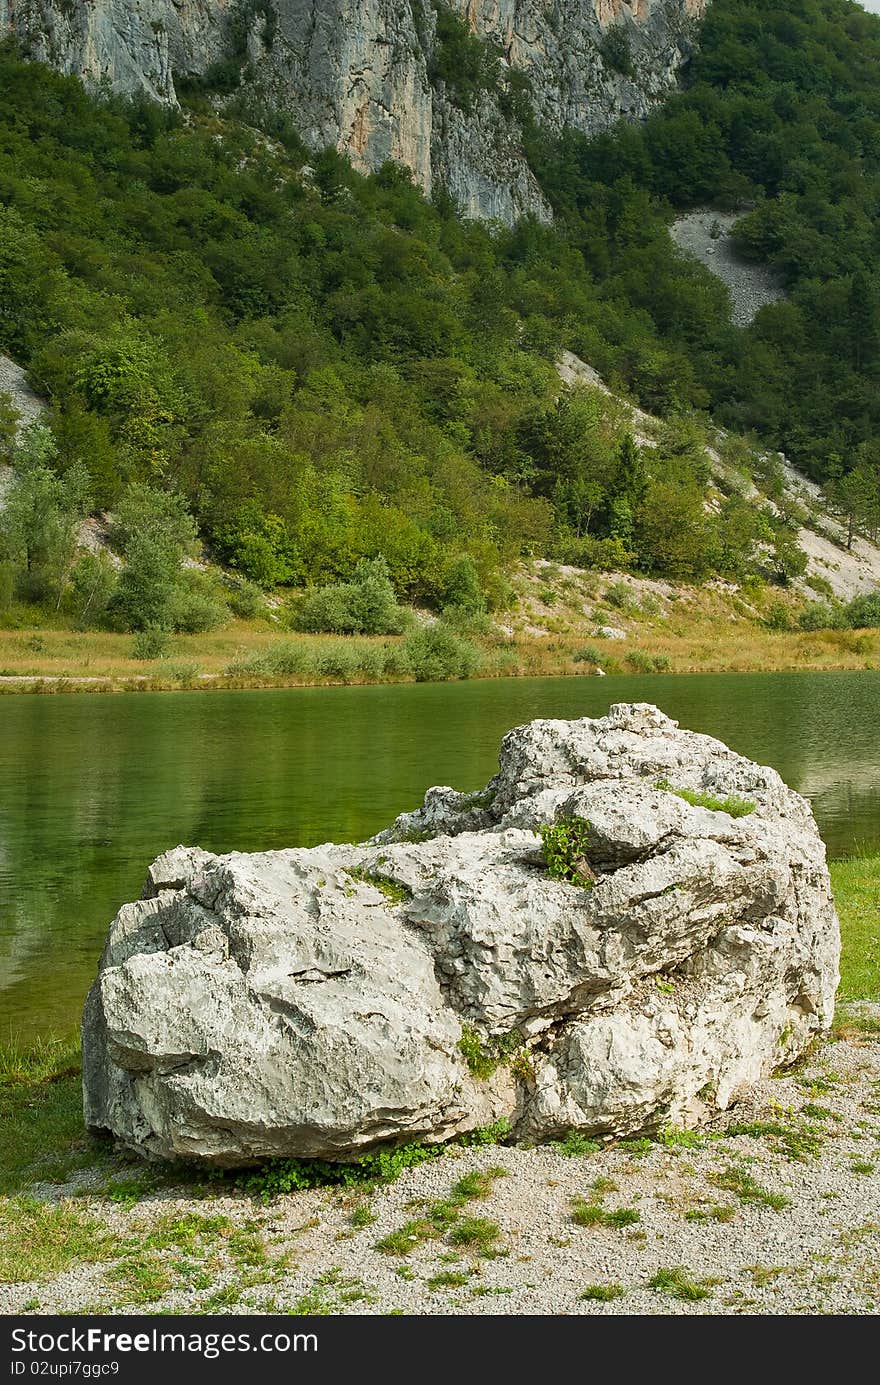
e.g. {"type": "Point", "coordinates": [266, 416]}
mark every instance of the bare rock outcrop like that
{"type": "Point", "coordinates": [322, 1001]}
{"type": "Point", "coordinates": [364, 75]}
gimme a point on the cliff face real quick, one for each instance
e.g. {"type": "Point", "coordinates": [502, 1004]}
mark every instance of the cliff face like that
{"type": "Point", "coordinates": [377, 80]}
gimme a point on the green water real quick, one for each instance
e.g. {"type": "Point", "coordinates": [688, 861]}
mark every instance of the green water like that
{"type": "Point", "coordinates": [93, 787]}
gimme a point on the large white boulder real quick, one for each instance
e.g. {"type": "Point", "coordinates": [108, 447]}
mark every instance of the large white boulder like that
{"type": "Point", "coordinates": [318, 1002]}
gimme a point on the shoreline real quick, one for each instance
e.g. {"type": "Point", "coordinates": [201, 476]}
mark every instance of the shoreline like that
{"type": "Point", "coordinates": [532, 664]}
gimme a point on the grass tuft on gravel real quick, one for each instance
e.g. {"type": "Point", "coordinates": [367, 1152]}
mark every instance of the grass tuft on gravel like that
{"type": "Point", "coordinates": [603, 1293]}
{"type": "Point", "coordinates": [741, 1183]}
{"type": "Point", "coordinates": [679, 1283]}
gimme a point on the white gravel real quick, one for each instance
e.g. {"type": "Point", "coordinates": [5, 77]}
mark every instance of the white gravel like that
{"type": "Point", "coordinates": [819, 1254]}
{"type": "Point", "coordinates": [752, 287]}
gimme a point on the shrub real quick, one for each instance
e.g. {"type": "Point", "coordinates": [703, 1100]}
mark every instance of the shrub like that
{"type": "Point", "coordinates": [337, 660]}
{"type": "Point", "coordinates": [437, 653]}
{"type": "Point", "coordinates": [195, 607]}
{"type": "Point", "coordinates": [864, 611]}
{"type": "Point", "coordinates": [639, 661]}
{"type": "Point", "coordinates": [778, 617]}
{"type": "Point", "coordinates": [149, 643]}
{"type": "Point", "coordinates": [92, 587]}
{"type": "Point", "coordinates": [325, 610]}
{"type": "Point", "coordinates": [245, 600]}
{"type": "Point", "coordinates": [461, 586]}
{"type": "Point", "coordinates": [588, 655]}
{"type": "Point", "coordinates": [186, 675]}
{"type": "Point", "coordinates": [364, 606]}
{"type": "Point", "coordinates": [616, 51]}
{"type": "Point", "coordinates": [818, 615]}
{"type": "Point", "coordinates": [621, 597]}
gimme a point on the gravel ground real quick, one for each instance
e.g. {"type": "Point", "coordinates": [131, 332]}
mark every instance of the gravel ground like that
{"type": "Point", "coordinates": [702, 1208]}
{"type": "Point", "coordinates": [752, 287]}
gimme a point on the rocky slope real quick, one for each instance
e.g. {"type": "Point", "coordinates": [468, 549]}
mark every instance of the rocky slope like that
{"type": "Point", "coordinates": [845, 569]}
{"type": "Point", "coordinates": [365, 75]}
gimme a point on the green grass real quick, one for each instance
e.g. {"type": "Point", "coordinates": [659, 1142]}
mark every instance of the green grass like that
{"type": "Point", "coordinates": [603, 1293]}
{"type": "Point", "coordinates": [39, 1240]}
{"type": "Point", "coordinates": [41, 1123]}
{"type": "Point", "coordinates": [717, 1212]}
{"type": "Point", "coordinates": [183, 1251]}
{"type": "Point", "coordinates": [797, 1142]}
{"type": "Point", "coordinates": [733, 805]}
{"type": "Point", "coordinates": [741, 1183]}
{"type": "Point", "coordinates": [449, 1279]}
{"type": "Point", "coordinates": [477, 1184]}
{"type": "Point", "coordinates": [575, 1145]}
{"type": "Point", "coordinates": [475, 1233]}
{"type": "Point", "coordinates": [856, 885]}
{"type": "Point", "coordinates": [393, 891]}
{"type": "Point", "coordinates": [363, 1215]}
{"type": "Point", "coordinates": [585, 1213]}
{"type": "Point", "coordinates": [443, 1217]}
{"type": "Point", "coordinates": [679, 1283]}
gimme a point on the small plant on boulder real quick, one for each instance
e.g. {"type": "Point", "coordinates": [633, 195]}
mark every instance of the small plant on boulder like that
{"type": "Point", "coordinates": [565, 846]}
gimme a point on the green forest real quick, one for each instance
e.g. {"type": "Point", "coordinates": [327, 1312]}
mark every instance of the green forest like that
{"type": "Point", "coordinates": [247, 343]}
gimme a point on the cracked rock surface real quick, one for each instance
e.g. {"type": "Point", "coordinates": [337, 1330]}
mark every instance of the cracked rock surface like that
{"type": "Point", "coordinates": [318, 1002]}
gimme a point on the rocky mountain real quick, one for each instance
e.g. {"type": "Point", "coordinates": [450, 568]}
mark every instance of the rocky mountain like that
{"type": "Point", "coordinates": [441, 86]}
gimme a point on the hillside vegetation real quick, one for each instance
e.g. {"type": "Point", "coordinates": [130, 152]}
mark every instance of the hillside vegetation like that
{"type": "Point", "coordinates": [248, 344]}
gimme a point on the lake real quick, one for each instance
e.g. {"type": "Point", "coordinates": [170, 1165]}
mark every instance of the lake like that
{"type": "Point", "coordinates": [93, 787]}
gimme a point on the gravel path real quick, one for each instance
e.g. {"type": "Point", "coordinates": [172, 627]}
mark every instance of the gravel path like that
{"type": "Point", "coordinates": [784, 1218]}
{"type": "Point", "coordinates": [751, 287]}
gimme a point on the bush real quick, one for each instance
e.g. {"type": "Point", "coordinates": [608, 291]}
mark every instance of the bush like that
{"type": "Point", "coordinates": [325, 611]}
{"type": "Point", "coordinates": [7, 585]}
{"type": "Point", "coordinates": [364, 606]}
{"type": "Point", "coordinates": [149, 643]}
{"type": "Point", "coordinates": [863, 612]}
{"type": "Point", "coordinates": [185, 675]}
{"type": "Point", "coordinates": [778, 616]}
{"type": "Point", "coordinates": [461, 586]}
{"type": "Point", "coordinates": [616, 51]}
{"type": "Point", "coordinates": [437, 653]}
{"type": "Point", "coordinates": [246, 601]}
{"type": "Point", "coordinates": [818, 615]}
{"type": "Point", "coordinates": [195, 606]}
{"type": "Point", "coordinates": [605, 555]}
{"type": "Point", "coordinates": [639, 661]}
{"type": "Point", "coordinates": [92, 587]}
{"type": "Point", "coordinates": [621, 597]}
{"type": "Point", "coordinates": [588, 655]}
{"type": "Point", "coordinates": [338, 661]}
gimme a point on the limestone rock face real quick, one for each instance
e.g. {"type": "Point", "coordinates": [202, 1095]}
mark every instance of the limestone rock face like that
{"type": "Point", "coordinates": [321, 1001]}
{"type": "Point", "coordinates": [362, 74]}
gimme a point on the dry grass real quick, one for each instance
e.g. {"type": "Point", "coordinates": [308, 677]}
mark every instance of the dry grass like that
{"type": "Point", "coordinates": [703, 649]}
{"type": "Point", "coordinates": [669, 629]}
{"type": "Point", "coordinates": [550, 632]}
{"type": "Point", "coordinates": [52, 661]}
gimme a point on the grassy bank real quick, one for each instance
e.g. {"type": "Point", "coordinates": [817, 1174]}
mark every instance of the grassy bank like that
{"type": "Point", "coordinates": [246, 656]}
